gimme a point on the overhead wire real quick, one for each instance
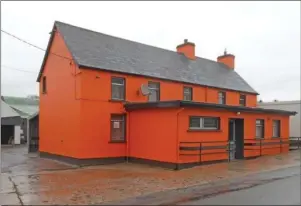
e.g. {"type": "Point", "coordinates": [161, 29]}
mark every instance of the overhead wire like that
{"type": "Point", "coordinates": [37, 47]}
{"type": "Point", "coordinates": [33, 45]}
{"type": "Point", "coordinates": [22, 70]}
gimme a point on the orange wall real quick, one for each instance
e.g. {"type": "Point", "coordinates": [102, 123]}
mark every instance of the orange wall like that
{"type": "Point", "coordinates": [59, 118]}
{"type": "Point", "coordinates": [96, 85]}
{"type": "Point", "coordinates": [153, 134]}
{"type": "Point", "coordinates": [95, 127]}
{"type": "Point", "coordinates": [77, 106]}
{"type": "Point", "coordinates": [249, 130]}
{"type": "Point", "coordinates": [96, 107]}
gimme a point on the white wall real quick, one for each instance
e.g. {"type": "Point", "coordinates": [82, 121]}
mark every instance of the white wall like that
{"type": "Point", "coordinates": [17, 137]}
{"type": "Point", "coordinates": [295, 123]}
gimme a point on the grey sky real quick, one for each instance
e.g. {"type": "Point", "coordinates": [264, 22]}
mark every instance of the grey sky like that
{"type": "Point", "coordinates": [264, 36]}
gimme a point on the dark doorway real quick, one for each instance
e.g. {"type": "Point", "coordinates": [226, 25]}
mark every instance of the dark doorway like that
{"type": "Point", "coordinates": [34, 134]}
{"type": "Point", "coordinates": [7, 133]}
{"type": "Point", "coordinates": [236, 138]}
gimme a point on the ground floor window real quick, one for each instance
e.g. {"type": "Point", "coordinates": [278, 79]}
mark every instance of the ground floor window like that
{"type": "Point", "coordinates": [118, 128]}
{"type": "Point", "coordinates": [211, 123]}
{"type": "Point", "coordinates": [276, 128]}
{"type": "Point", "coordinates": [259, 128]}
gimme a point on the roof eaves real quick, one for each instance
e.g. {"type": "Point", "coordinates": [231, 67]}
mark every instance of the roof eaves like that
{"type": "Point", "coordinates": [82, 66]}
{"type": "Point", "coordinates": [54, 29]}
{"type": "Point", "coordinates": [236, 108]}
{"type": "Point", "coordinates": [179, 103]}
{"type": "Point", "coordinates": [46, 53]}
{"type": "Point", "coordinates": [144, 105]}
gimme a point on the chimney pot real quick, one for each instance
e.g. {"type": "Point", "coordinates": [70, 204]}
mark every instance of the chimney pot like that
{"type": "Point", "coordinates": [185, 41]}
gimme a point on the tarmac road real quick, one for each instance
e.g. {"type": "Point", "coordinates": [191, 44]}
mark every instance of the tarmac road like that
{"type": "Point", "coordinates": [279, 192]}
{"type": "Point", "coordinates": [278, 187]}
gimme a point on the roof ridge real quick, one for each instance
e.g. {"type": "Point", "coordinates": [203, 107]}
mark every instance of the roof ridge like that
{"type": "Point", "coordinates": [89, 30]}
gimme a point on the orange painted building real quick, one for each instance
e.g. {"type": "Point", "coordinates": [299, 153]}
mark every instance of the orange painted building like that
{"type": "Point", "coordinates": [104, 99]}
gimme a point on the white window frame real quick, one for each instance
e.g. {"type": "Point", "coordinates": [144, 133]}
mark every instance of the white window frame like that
{"type": "Point", "coordinates": [151, 89]}
{"type": "Point", "coordinates": [261, 126]}
{"type": "Point", "coordinates": [187, 92]}
{"type": "Point", "coordinates": [118, 85]}
{"type": "Point", "coordinates": [222, 97]}
{"type": "Point", "coordinates": [202, 123]}
{"type": "Point", "coordinates": [244, 99]}
{"type": "Point", "coordinates": [276, 125]}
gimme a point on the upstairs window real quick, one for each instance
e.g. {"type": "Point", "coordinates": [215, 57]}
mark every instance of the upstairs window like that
{"type": "Point", "coordinates": [276, 128]}
{"type": "Point", "coordinates": [187, 93]}
{"type": "Point", "coordinates": [154, 88]}
{"type": "Point", "coordinates": [210, 123]}
{"type": "Point", "coordinates": [44, 85]}
{"type": "Point", "coordinates": [242, 100]}
{"type": "Point", "coordinates": [259, 128]}
{"type": "Point", "coordinates": [222, 97]}
{"type": "Point", "coordinates": [118, 88]}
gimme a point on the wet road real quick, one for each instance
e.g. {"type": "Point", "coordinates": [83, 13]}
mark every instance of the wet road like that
{"type": "Point", "coordinates": [278, 187]}
{"type": "Point", "coordinates": [279, 192]}
{"type": "Point", "coordinates": [27, 179]}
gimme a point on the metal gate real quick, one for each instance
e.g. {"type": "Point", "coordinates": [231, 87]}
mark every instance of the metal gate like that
{"type": "Point", "coordinates": [34, 144]}
{"type": "Point", "coordinates": [232, 150]}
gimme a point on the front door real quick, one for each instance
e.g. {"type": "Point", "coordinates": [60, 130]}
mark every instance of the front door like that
{"type": "Point", "coordinates": [236, 139]}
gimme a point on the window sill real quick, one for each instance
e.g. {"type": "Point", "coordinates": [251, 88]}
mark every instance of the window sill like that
{"type": "Point", "coordinates": [117, 100]}
{"type": "Point", "coordinates": [116, 142]}
{"type": "Point", "coordinates": [204, 130]}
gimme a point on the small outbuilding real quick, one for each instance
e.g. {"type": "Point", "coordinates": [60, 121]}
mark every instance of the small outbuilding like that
{"type": "Point", "coordinates": [10, 125]}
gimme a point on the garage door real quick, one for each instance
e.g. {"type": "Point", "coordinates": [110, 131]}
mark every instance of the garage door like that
{"type": "Point", "coordinates": [7, 131]}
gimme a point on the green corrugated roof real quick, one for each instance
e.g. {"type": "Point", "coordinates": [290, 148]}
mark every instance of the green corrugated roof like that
{"type": "Point", "coordinates": [23, 105]}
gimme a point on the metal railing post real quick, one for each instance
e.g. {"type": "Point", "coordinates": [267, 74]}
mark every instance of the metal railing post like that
{"type": "Point", "coordinates": [280, 145]}
{"type": "Point", "coordinates": [200, 152]}
{"type": "Point", "coordinates": [260, 146]}
{"type": "Point", "coordinates": [229, 151]}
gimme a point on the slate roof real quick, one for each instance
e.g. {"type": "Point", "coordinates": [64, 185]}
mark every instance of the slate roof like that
{"type": "Point", "coordinates": [100, 51]}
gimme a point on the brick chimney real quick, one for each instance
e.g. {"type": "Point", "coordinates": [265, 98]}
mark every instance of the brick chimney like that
{"type": "Point", "coordinates": [187, 48]}
{"type": "Point", "coordinates": [227, 59]}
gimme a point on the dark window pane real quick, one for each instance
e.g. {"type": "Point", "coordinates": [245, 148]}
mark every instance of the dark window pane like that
{"type": "Point", "coordinates": [116, 117]}
{"type": "Point", "coordinates": [117, 128]}
{"type": "Point", "coordinates": [194, 122]}
{"type": "Point", "coordinates": [117, 80]}
{"type": "Point", "coordinates": [204, 122]}
{"type": "Point", "coordinates": [210, 123]}
{"type": "Point", "coordinates": [44, 84]}
{"type": "Point", "coordinates": [187, 96]}
{"type": "Point", "coordinates": [153, 85]}
{"type": "Point", "coordinates": [242, 100]}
